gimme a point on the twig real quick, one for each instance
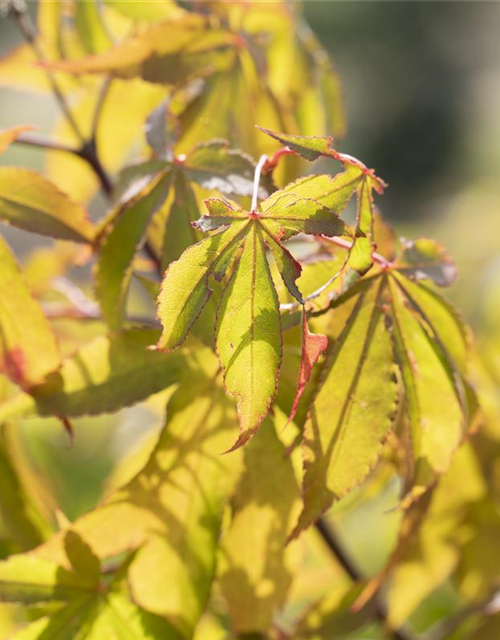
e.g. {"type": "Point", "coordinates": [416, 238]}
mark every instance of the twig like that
{"type": "Point", "coordinates": [355, 574]}
{"type": "Point", "coordinates": [17, 10]}
{"type": "Point", "coordinates": [101, 99]}
{"type": "Point", "coordinates": [44, 142]}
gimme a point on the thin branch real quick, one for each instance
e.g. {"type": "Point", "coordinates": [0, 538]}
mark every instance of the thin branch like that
{"type": "Point", "coordinates": [18, 11]}
{"type": "Point", "coordinates": [101, 99]}
{"type": "Point", "coordinates": [356, 575]}
{"type": "Point", "coordinates": [44, 142]}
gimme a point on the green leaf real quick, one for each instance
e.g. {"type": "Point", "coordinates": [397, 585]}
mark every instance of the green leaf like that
{"type": "Point", "coordinates": [29, 201]}
{"type": "Point", "coordinates": [433, 401]}
{"type": "Point", "coordinates": [185, 289]}
{"type": "Point", "coordinates": [82, 559]}
{"type": "Point", "coordinates": [114, 268]}
{"type": "Point", "coordinates": [248, 336]}
{"type": "Point", "coordinates": [354, 409]}
{"type": "Point", "coordinates": [255, 568]}
{"type": "Point", "coordinates": [177, 218]}
{"type": "Point", "coordinates": [28, 579]}
{"type": "Point", "coordinates": [89, 611]}
{"type": "Point", "coordinates": [425, 258]}
{"type": "Point", "coordinates": [90, 27]}
{"type": "Point", "coordinates": [171, 52]}
{"type": "Point", "coordinates": [310, 205]}
{"type": "Point", "coordinates": [22, 526]}
{"type": "Point", "coordinates": [214, 165]}
{"type": "Point", "coordinates": [107, 374]}
{"type": "Point", "coordinates": [28, 349]}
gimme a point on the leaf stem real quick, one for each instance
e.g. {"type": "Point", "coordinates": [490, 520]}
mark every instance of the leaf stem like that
{"type": "Point", "coordinates": [345, 244]}
{"type": "Point", "coordinates": [256, 182]}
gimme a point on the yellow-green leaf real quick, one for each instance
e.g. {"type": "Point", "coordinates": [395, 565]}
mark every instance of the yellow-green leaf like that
{"type": "Point", "coordinates": [256, 570]}
{"type": "Point", "coordinates": [114, 268]}
{"type": "Point", "coordinates": [28, 348]}
{"type": "Point", "coordinates": [248, 335]}
{"type": "Point", "coordinates": [354, 409]}
{"type": "Point", "coordinates": [185, 289]}
{"type": "Point", "coordinates": [29, 201]}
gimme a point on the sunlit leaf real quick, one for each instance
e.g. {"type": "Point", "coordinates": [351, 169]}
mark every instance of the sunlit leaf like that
{"type": "Point", "coordinates": [248, 335]}
{"type": "Point", "coordinates": [170, 52]}
{"type": "Point", "coordinates": [31, 202]}
{"type": "Point", "coordinates": [255, 567]}
{"type": "Point", "coordinates": [354, 409]}
{"type": "Point", "coordinates": [114, 268]}
{"type": "Point", "coordinates": [423, 259]}
{"type": "Point", "coordinates": [106, 375]}
{"type": "Point", "coordinates": [172, 509]}
{"type": "Point", "coordinates": [90, 27]}
{"type": "Point", "coordinates": [28, 349]}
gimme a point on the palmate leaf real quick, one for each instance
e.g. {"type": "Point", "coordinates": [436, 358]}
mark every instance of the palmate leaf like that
{"type": "Point", "coordinates": [165, 188]}
{"type": "Point", "coordinates": [88, 606]}
{"type": "Point", "coordinates": [170, 52]}
{"type": "Point", "coordinates": [358, 261]}
{"type": "Point", "coordinates": [405, 326]}
{"type": "Point", "coordinates": [248, 329]}
{"type": "Point", "coordinates": [354, 410]}
{"type": "Point", "coordinates": [105, 375]}
{"type": "Point", "coordinates": [28, 348]}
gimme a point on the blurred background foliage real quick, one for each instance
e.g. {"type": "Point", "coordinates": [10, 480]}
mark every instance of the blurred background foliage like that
{"type": "Point", "coordinates": [422, 92]}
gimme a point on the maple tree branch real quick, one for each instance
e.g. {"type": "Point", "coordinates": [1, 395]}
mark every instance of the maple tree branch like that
{"type": "Point", "coordinates": [44, 142]}
{"type": "Point", "coordinates": [101, 99]}
{"type": "Point", "coordinates": [355, 574]}
{"type": "Point", "coordinates": [18, 11]}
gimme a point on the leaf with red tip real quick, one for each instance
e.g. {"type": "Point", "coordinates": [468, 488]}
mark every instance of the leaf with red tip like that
{"type": "Point", "coordinates": [313, 345]}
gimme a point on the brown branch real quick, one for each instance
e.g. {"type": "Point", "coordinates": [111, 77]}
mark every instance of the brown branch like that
{"type": "Point", "coordinates": [350, 567]}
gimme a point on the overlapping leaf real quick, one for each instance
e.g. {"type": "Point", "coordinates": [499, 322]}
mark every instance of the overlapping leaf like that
{"type": "Point", "coordinates": [165, 186]}
{"type": "Point", "coordinates": [105, 375]}
{"type": "Point", "coordinates": [255, 582]}
{"type": "Point", "coordinates": [172, 509]}
{"type": "Point", "coordinates": [395, 324]}
{"type": "Point", "coordinates": [28, 348]}
{"type": "Point", "coordinates": [85, 603]}
{"type": "Point", "coordinates": [248, 329]}
{"type": "Point", "coordinates": [358, 260]}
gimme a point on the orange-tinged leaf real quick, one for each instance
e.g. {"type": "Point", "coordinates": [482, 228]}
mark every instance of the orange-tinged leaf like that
{"type": "Point", "coordinates": [313, 345]}
{"type": "Point", "coordinates": [8, 136]}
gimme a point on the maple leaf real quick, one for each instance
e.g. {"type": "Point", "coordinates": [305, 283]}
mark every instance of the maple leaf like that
{"type": "Point", "coordinates": [248, 327]}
